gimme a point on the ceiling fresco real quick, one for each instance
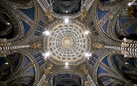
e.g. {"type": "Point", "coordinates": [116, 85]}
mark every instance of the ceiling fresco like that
{"type": "Point", "coordinates": [68, 43]}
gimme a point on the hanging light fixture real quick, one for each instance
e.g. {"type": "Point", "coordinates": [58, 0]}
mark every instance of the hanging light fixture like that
{"type": "Point", "coordinates": [66, 20]}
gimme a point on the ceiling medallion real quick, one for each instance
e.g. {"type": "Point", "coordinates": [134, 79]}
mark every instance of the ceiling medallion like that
{"type": "Point", "coordinates": [67, 42]}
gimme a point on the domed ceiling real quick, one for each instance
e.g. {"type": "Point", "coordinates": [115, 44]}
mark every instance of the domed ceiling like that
{"type": "Point", "coordinates": [68, 43]}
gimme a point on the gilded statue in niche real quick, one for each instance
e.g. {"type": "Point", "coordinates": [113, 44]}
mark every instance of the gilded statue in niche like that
{"type": "Point", "coordinates": [97, 45]}
{"type": "Point", "coordinates": [48, 70]}
{"type": "Point", "coordinates": [85, 70]}
{"type": "Point", "coordinates": [48, 14]}
{"type": "Point", "coordinates": [35, 45]}
{"type": "Point", "coordinates": [84, 14]}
